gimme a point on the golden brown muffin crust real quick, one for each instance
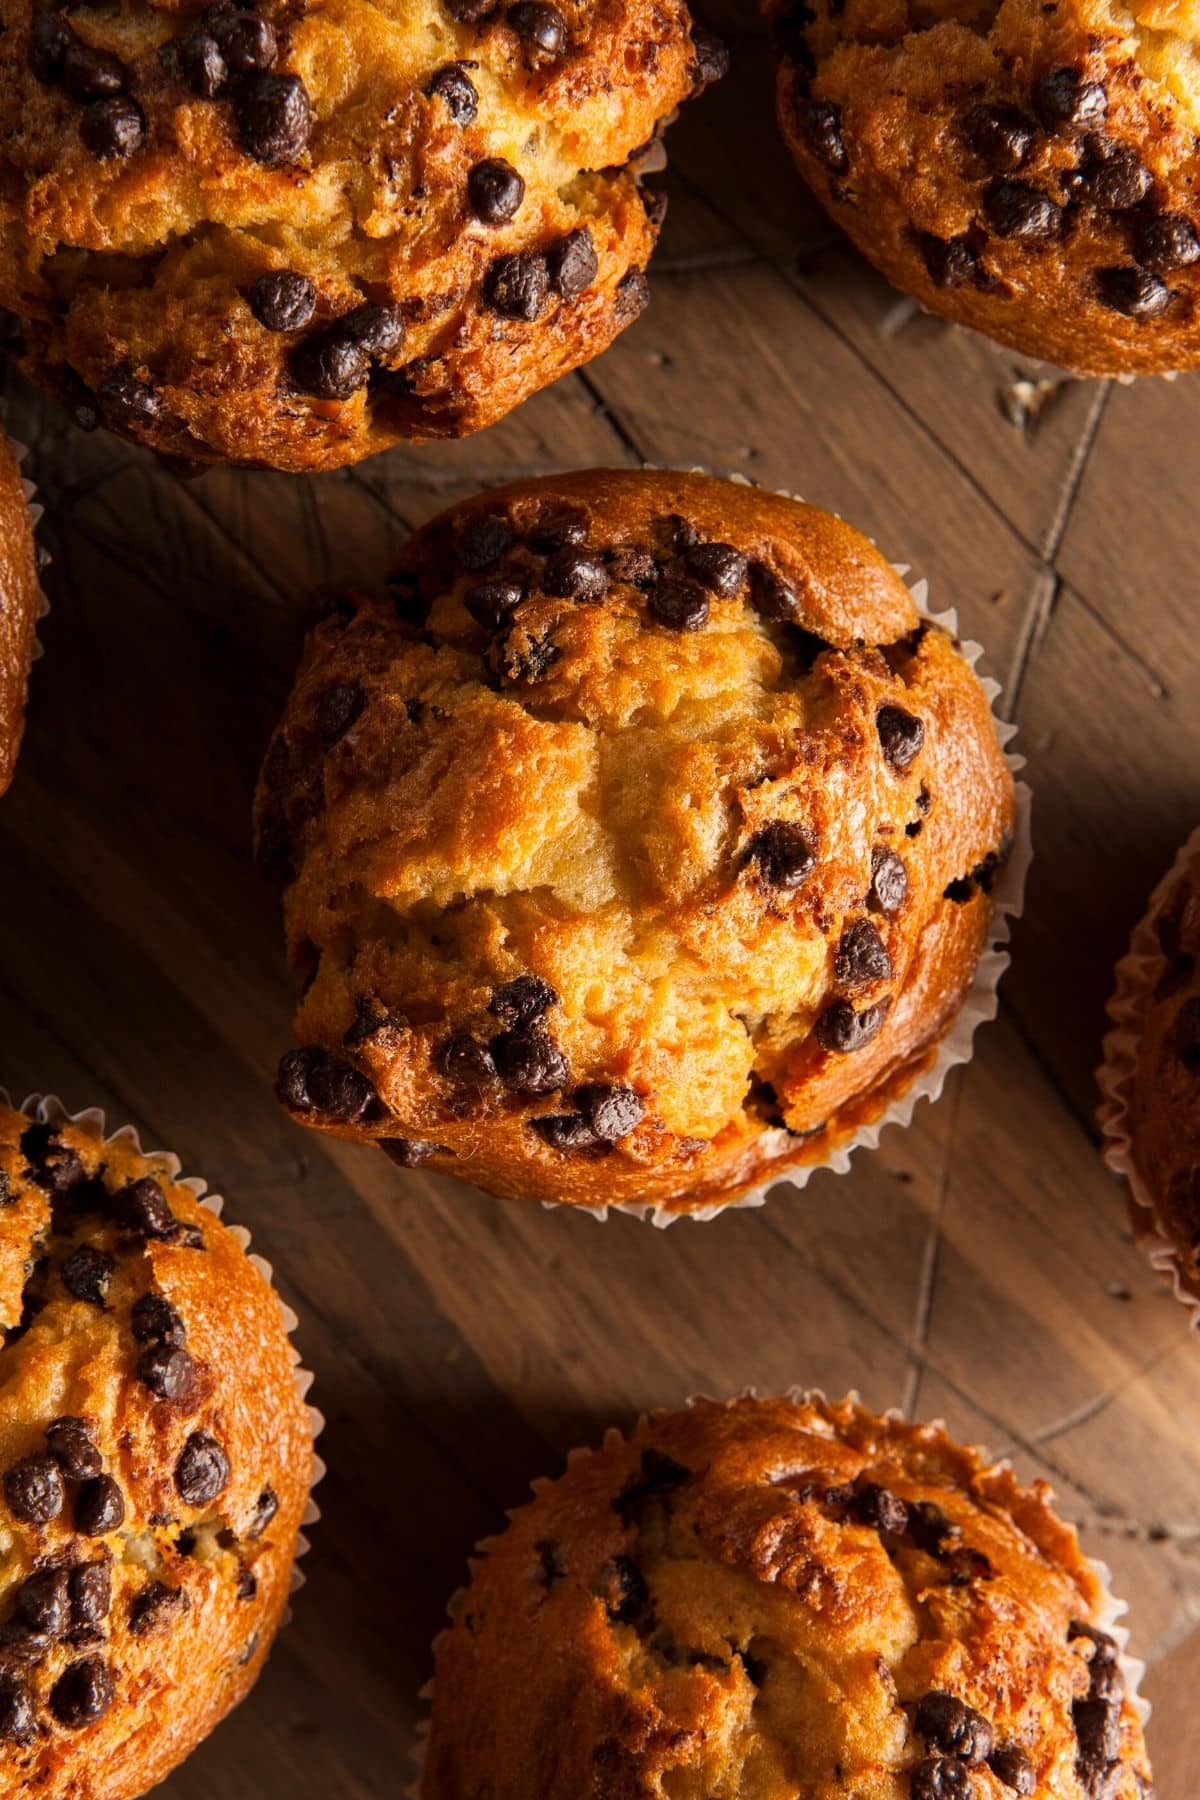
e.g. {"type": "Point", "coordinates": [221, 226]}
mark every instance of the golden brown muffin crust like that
{"type": "Point", "coordinates": [652, 862]}
{"type": "Point", "coordinates": [20, 602]}
{"type": "Point", "coordinates": [782, 1600]}
{"type": "Point", "coordinates": [155, 1460]}
{"type": "Point", "coordinates": [294, 234]}
{"type": "Point", "coordinates": [1027, 169]}
{"type": "Point", "coordinates": [1165, 1109]}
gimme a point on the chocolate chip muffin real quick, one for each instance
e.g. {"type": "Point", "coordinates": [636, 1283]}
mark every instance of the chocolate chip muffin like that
{"type": "Point", "coordinates": [638, 851]}
{"type": "Point", "coordinates": [1030, 170]}
{"type": "Point", "coordinates": [20, 604]}
{"type": "Point", "coordinates": [291, 234]}
{"type": "Point", "coordinates": [784, 1600]}
{"type": "Point", "coordinates": [155, 1459]}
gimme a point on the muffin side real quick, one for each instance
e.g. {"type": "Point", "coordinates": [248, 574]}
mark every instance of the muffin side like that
{"type": "Point", "coordinates": [20, 605]}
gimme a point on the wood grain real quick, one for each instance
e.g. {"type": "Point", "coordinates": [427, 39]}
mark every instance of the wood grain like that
{"type": "Point", "coordinates": [977, 1266]}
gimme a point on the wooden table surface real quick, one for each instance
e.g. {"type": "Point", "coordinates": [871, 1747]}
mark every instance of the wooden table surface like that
{"type": "Point", "coordinates": [977, 1266]}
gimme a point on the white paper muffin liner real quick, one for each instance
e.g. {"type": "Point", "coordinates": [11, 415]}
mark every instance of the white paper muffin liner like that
{"type": "Point", "coordinates": [1108, 1617]}
{"type": "Point", "coordinates": [1136, 975]}
{"type": "Point", "coordinates": [48, 1109]}
{"type": "Point", "coordinates": [982, 1000]}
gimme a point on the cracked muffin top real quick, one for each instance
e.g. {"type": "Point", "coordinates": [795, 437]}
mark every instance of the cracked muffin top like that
{"type": "Point", "coordinates": [638, 851]}
{"type": "Point", "coordinates": [782, 1600]}
{"type": "Point", "coordinates": [1165, 1101]}
{"type": "Point", "coordinates": [1027, 169]}
{"type": "Point", "coordinates": [290, 234]}
{"type": "Point", "coordinates": [20, 603]}
{"type": "Point", "coordinates": [155, 1459]}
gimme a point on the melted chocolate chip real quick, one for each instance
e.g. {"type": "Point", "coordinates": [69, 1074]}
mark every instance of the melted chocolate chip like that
{"type": "Point", "coordinates": [495, 190]}
{"type": "Point", "coordinates": [952, 1726]}
{"type": "Point", "coordinates": [572, 574]}
{"type": "Point", "coordinates": [483, 540]}
{"type": "Point", "coordinates": [310, 1080]}
{"type": "Point", "coordinates": [1011, 1766]}
{"type": "Point", "coordinates": [43, 1601]}
{"type": "Point", "coordinates": [784, 852]}
{"type": "Point", "coordinates": [492, 603]}
{"type": "Point", "coordinates": [1014, 209]}
{"type": "Point", "coordinates": [246, 41]}
{"type": "Point", "coordinates": [573, 263]}
{"type": "Point", "coordinates": [71, 1444]}
{"type": "Point", "coordinates": [202, 1470]}
{"type": "Point", "coordinates": [154, 1320]}
{"type": "Point", "coordinates": [879, 1507]}
{"type": "Point", "coordinates": [941, 1778]}
{"type": "Point", "coordinates": [337, 710]}
{"type": "Point", "coordinates": [1098, 1731]}
{"type": "Point", "coordinates": [33, 1489]}
{"type": "Point", "coordinates": [247, 1583]}
{"type": "Point", "coordinates": [889, 882]}
{"type": "Point", "coordinates": [1166, 241]}
{"type": "Point", "coordinates": [273, 117]}
{"type": "Point", "coordinates": [842, 1029]}
{"type": "Point", "coordinates": [454, 86]}
{"type": "Point", "coordinates": [529, 1061]}
{"type": "Point", "coordinates": [679, 605]}
{"type": "Point", "coordinates": [86, 1274]}
{"type": "Point", "coordinates": [929, 1528]}
{"type": "Point", "coordinates": [156, 1607]}
{"type": "Point", "coordinates": [99, 1507]}
{"type": "Point", "coordinates": [518, 286]}
{"type": "Point", "coordinates": [1002, 135]}
{"type": "Point", "coordinates": [660, 1475]}
{"type": "Point", "coordinates": [89, 73]}
{"type": "Point", "coordinates": [611, 1113]}
{"type": "Point", "coordinates": [523, 999]}
{"type": "Point", "coordinates": [774, 597]}
{"type": "Point", "coordinates": [1138, 293]}
{"type": "Point", "coordinates": [821, 123]}
{"type": "Point", "coordinates": [141, 1208]}
{"type": "Point", "coordinates": [862, 957]}
{"type": "Point", "coordinates": [265, 1508]}
{"type": "Point", "coordinates": [542, 28]}
{"type": "Point", "coordinates": [409, 1153]}
{"type": "Point", "coordinates": [83, 1693]}
{"type": "Point", "coordinates": [197, 56]}
{"type": "Point", "coordinates": [950, 261]}
{"type": "Point", "coordinates": [901, 734]}
{"type": "Point", "coordinates": [631, 298]}
{"type": "Point", "coordinates": [566, 1132]}
{"type": "Point", "coordinates": [115, 126]}
{"type": "Point", "coordinates": [91, 1594]}
{"type": "Point", "coordinates": [1112, 177]}
{"type": "Point", "coordinates": [558, 531]}
{"type": "Point", "coordinates": [17, 1718]}
{"type": "Point", "coordinates": [1063, 100]}
{"type": "Point", "coordinates": [718, 567]}
{"type": "Point", "coordinates": [169, 1373]}
{"type": "Point", "coordinates": [623, 1590]}
{"type": "Point", "coordinates": [282, 300]}
{"type": "Point", "coordinates": [466, 1062]}
{"type": "Point", "coordinates": [50, 36]}
{"type": "Point", "coordinates": [129, 401]}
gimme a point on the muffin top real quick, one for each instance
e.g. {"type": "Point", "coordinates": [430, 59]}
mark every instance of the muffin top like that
{"type": "Point", "coordinates": [20, 603]}
{"type": "Point", "coordinates": [1027, 169]}
{"type": "Point", "coordinates": [783, 1600]}
{"type": "Point", "coordinates": [1165, 1101]}
{"type": "Point", "coordinates": [639, 850]}
{"type": "Point", "coordinates": [155, 1458]}
{"type": "Point", "coordinates": [291, 234]}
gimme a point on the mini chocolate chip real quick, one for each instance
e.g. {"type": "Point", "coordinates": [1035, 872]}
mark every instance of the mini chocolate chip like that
{"type": "Point", "coordinates": [623, 1590]}
{"type": "Point", "coordinates": [529, 1061]}
{"type": "Point", "coordinates": [141, 1208]}
{"type": "Point", "coordinates": [1166, 241]}
{"type": "Point", "coordinates": [452, 84]}
{"type": "Point", "coordinates": [1063, 99]}
{"type": "Point", "coordinates": [71, 1444]}
{"type": "Point", "coordinates": [631, 298]}
{"type": "Point", "coordinates": [1011, 1766]}
{"type": "Point", "coordinates": [197, 56]}
{"type": "Point", "coordinates": [265, 1508]}
{"type": "Point", "coordinates": [842, 1029]}
{"type": "Point", "coordinates": [637, 568]}
{"type": "Point", "coordinates": [559, 532]}
{"type": "Point", "coordinates": [43, 1602]}
{"type": "Point", "coordinates": [941, 1778]}
{"type": "Point", "coordinates": [83, 1693]}
{"type": "Point", "coordinates": [50, 37]}
{"type": "Point", "coordinates": [929, 1528]}
{"type": "Point", "coordinates": [274, 118]}
{"type": "Point", "coordinates": [282, 300]}
{"type": "Point", "coordinates": [20, 1643]}
{"type": "Point", "coordinates": [169, 1373]}
{"type": "Point", "coordinates": [154, 1320]}
{"type": "Point", "coordinates": [572, 574]}
{"type": "Point", "coordinates": [1098, 1729]}
{"type": "Point", "coordinates": [331, 366]}
{"type": "Point", "coordinates": [1185, 1033]}
{"type": "Point", "coordinates": [711, 57]}
{"type": "Point", "coordinates": [1014, 209]}
{"type": "Point", "coordinates": [202, 1470]}
{"type": "Point", "coordinates": [337, 709]}
{"type": "Point", "coordinates": [889, 882]}
{"type": "Point", "coordinates": [861, 957]}
{"type": "Point", "coordinates": [463, 1060]}
{"type": "Point", "coordinates": [495, 190]}
{"type": "Point", "coordinates": [523, 999]}
{"type": "Point", "coordinates": [86, 1274]}
{"type": "Point", "coordinates": [565, 1132]}
{"type": "Point", "coordinates": [1113, 177]}
{"type": "Point", "coordinates": [492, 603]}
{"type": "Point", "coordinates": [1002, 135]}
{"type": "Point", "coordinates": [33, 1489]}
{"type": "Point", "coordinates": [522, 657]}
{"type": "Point", "coordinates": [247, 1584]}
{"type": "Point", "coordinates": [785, 853]}
{"type": "Point", "coordinates": [157, 1605]}
{"type": "Point", "coordinates": [718, 567]}
{"type": "Point", "coordinates": [1137, 293]}
{"type": "Point", "coordinates": [99, 1507]}
{"type": "Point", "coordinates": [376, 330]}
{"type": "Point", "coordinates": [409, 1153]}
{"type": "Point", "coordinates": [573, 263]}
{"type": "Point", "coordinates": [611, 1113]}
{"type": "Point", "coordinates": [541, 27]}
{"type": "Point", "coordinates": [657, 203]}
{"type": "Point", "coordinates": [310, 1080]}
{"type": "Point", "coordinates": [950, 261]}
{"type": "Point", "coordinates": [772, 596]}
{"type": "Point", "coordinates": [679, 605]}
{"type": "Point", "coordinates": [89, 73]}
{"type": "Point", "coordinates": [821, 123]}
{"type": "Point", "coordinates": [879, 1507]}
{"type": "Point", "coordinates": [949, 1724]}
{"type": "Point", "coordinates": [247, 41]}
{"type": "Point", "coordinates": [60, 1172]}
{"type": "Point", "coordinates": [91, 1593]}
{"type": "Point", "coordinates": [483, 540]}
{"type": "Point", "coordinates": [18, 1722]}
{"type": "Point", "coordinates": [901, 734]}
{"type": "Point", "coordinates": [129, 401]}
{"type": "Point", "coordinates": [518, 286]}
{"type": "Point", "coordinates": [115, 126]}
